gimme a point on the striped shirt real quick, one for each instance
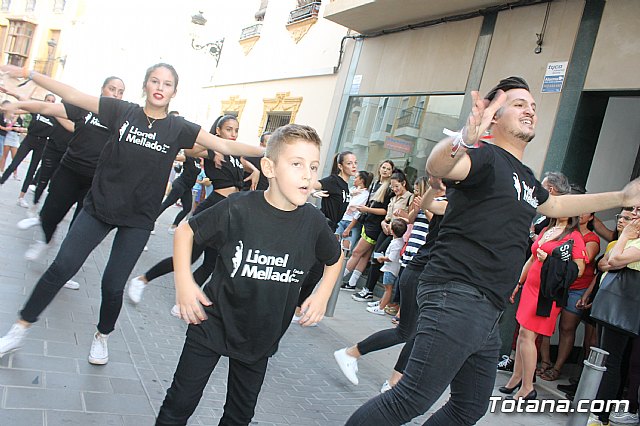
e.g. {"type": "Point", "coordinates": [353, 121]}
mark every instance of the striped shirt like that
{"type": "Point", "coordinates": [416, 239]}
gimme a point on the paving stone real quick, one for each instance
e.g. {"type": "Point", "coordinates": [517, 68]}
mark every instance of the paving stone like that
{"type": "Point", "coordinates": [126, 386]}
{"type": "Point", "coordinates": [78, 382]}
{"type": "Point", "coordinates": [22, 417]}
{"type": "Point", "coordinates": [47, 399]}
{"type": "Point", "coordinates": [69, 418]}
{"type": "Point", "coordinates": [24, 378]}
{"type": "Point", "coordinates": [120, 404]}
{"type": "Point", "coordinates": [44, 363]}
{"type": "Point", "coordinates": [112, 369]}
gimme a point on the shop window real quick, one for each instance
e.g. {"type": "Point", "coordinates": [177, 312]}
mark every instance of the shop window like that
{"type": "Point", "coordinates": [403, 129]}
{"type": "Point", "coordinates": [19, 39]}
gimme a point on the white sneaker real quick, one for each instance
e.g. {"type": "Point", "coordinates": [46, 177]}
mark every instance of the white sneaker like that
{"type": "Point", "coordinates": [171, 230]}
{"type": "Point", "coordinates": [375, 310]}
{"type": "Point", "coordinates": [146, 248]}
{"type": "Point", "coordinates": [99, 354]}
{"type": "Point", "coordinates": [594, 421]}
{"type": "Point", "coordinates": [23, 203]}
{"type": "Point", "coordinates": [348, 364]}
{"type": "Point", "coordinates": [385, 387]}
{"type": "Point", "coordinates": [72, 285]}
{"type": "Point", "coordinates": [135, 290]}
{"type": "Point", "coordinates": [35, 250]}
{"type": "Point", "coordinates": [153, 232]}
{"type": "Point", "coordinates": [624, 418]}
{"type": "Point", "coordinates": [28, 223]}
{"type": "Point", "coordinates": [372, 304]}
{"type": "Point", "coordinates": [175, 312]}
{"type": "Point", "coordinates": [13, 339]}
{"type": "Point", "coordinates": [32, 188]}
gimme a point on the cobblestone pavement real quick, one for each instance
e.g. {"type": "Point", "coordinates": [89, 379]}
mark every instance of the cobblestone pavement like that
{"type": "Point", "coordinates": [49, 382]}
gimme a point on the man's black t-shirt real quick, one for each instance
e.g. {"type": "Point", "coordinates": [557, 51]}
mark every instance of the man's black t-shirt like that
{"type": "Point", "coordinates": [40, 126]}
{"type": "Point", "coordinates": [337, 202]}
{"type": "Point", "coordinates": [485, 228]}
{"type": "Point", "coordinates": [263, 183]}
{"type": "Point", "coordinates": [189, 173]}
{"type": "Point", "coordinates": [230, 174]}
{"type": "Point", "coordinates": [134, 166]}
{"type": "Point", "coordinates": [264, 255]}
{"type": "Point", "coordinates": [59, 139]}
{"type": "Point", "coordinates": [89, 138]}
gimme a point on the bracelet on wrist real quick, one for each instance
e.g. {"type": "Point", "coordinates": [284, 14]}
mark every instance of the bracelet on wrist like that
{"type": "Point", "coordinates": [28, 76]}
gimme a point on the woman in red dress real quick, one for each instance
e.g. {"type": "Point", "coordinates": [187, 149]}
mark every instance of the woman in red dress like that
{"type": "Point", "coordinates": [557, 233]}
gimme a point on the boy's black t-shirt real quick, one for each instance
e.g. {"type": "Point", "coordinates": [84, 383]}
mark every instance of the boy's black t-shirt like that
{"type": "Point", "coordinates": [484, 232]}
{"type": "Point", "coordinates": [263, 182]}
{"type": "Point", "coordinates": [230, 174]}
{"type": "Point", "coordinates": [264, 255]}
{"type": "Point", "coordinates": [337, 202]}
{"type": "Point", "coordinates": [134, 166]}
{"type": "Point", "coordinates": [59, 139]}
{"type": "Point", "coordinates": [89, 138]}
{"type": "Point", "coordinates": [40, 126]}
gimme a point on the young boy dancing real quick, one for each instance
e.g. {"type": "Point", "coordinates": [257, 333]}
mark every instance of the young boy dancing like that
{"type": "Point", "coordinates": [266, 243]}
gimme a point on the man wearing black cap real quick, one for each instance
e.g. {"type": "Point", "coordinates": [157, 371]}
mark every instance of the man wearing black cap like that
{"type": "Point", "coordinates": [476, 260]}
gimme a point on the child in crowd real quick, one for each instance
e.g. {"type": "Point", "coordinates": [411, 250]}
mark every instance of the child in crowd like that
{"type": "Point", "coordinates": [247, 306]}
{"type": "Point", "coordinates": [391, 267]}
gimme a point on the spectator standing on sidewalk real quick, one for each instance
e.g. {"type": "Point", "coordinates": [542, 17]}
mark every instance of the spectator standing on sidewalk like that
{"type": "Point", "coordinates": [476, 260]}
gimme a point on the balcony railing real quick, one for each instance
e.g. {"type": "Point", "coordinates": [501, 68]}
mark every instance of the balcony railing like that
{"type": "Point", "coordinates": [252, 31]}
{"type": "Point", "coordinates": [410, 117]}
{"type": "Point", "coordinates": [310, 10]}
{"type": "Point", "coordinates": [43, 66]}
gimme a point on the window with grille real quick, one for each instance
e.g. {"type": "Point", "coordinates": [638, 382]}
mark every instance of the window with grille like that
{"type": "Point", "coordinates": [30, 6]}
{"type": "Point", "coordinates": [58, 6]}
{"type": "Point", "coordinates": [277, 119]}
{"type": "Point", "coordinates": [19, 40]}
{"type": "Point", "coordinates": [233, 113]}
{"type": "Point", "coordinates": [5, 5]}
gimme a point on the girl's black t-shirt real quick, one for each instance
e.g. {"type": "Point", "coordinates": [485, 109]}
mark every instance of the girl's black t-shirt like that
{"type": "Point", "coordinates": [2, 132]}
{"type": "Point", "coordinates": [264, 255]}
{"type": "Point", "coordinates": [263, 182]}
{"type": "Point", "coordinates": [230, 174]}
{"type": "Point", "coordinates": [373, 223]}
{"type": "Point", "coordinates": [41, 126]}
{"type": "Point", "coordinates": [337, 202]}
{"type": "Point", "coordinates": [134, 166]}
{"type": "Point", "coordinates": [60, 138]}
{"type": "Point", "coordinates": [190, 172]}
{"type": "Point", "coordinates": [89, 137]}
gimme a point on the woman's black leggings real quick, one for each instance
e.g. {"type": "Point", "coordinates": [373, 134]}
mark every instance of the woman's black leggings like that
{"type": "Point", "coordinates": [67, 188]}
{"type": "Point", "coordinates": [30, 143]}
{"type": "Point", "coordinates": [178, 191]}
{"type": "Point", "coordinates": [374, 271]}
{"type": "Point", "coordinates": [406, 330]}
{"type": "Point", "coordinates": [85, 234]}
{"type": "Point", "coordinates": [49, 164]}
{"type": "Point", "coordinates": [203, 272]}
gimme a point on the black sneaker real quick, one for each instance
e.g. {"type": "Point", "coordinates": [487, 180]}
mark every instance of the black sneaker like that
{"type": "Point", "coordinates": [506, 363]}
{"type": "Point", "coordinates": [363, 295]}
{"type": "Point", "coordinates": [347, 287]}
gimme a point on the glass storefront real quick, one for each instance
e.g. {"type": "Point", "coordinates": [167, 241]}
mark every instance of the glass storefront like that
{"type": "Point", "coordinates": [402, 128]}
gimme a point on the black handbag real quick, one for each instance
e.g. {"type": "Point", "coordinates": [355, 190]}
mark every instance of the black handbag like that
{"type": "Point", "coordinates": [617, 304]}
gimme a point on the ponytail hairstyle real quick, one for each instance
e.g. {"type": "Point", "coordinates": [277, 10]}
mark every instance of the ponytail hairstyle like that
{"type": "Point", "coordinates": [220, 122]}
{"type": "Point", "coordinates": [366, 178]}
{"type": "Point", "coordinates": [383, 189]}
{"type": "Point", "coordinates": [338, 159]}
{"type": "Point", "coordinates": [400, 177]}
{"type": "Point", "coordinates": [421, 185]}
{"type": "Point", "coordinates": [573, 223]}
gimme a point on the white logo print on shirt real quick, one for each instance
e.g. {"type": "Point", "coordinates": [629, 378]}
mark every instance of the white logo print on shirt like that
{"type": "Point", "coordinates": [525, 190]}
{"type": "Point", "coordinates": [93, 120]}
{"type": "Point", "coordinates": [138, 137]}
{"type": "Point", "coordinates": [264, 267]}
{"type": "Point", "coordinates": [237, 258]}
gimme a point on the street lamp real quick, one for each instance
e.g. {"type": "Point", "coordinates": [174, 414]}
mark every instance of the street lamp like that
{"type": "Point", "coordinates": [214, 48]}
{"type": "Point", "coordinates": [52, 43]}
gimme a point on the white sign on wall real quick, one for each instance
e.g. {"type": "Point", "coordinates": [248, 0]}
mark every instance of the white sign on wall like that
{"type": "Point", "coordinates": [554, 77]}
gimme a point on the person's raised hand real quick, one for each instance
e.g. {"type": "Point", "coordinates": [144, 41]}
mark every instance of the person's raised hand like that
{"type": "Point", "coordinates": [482, 112]}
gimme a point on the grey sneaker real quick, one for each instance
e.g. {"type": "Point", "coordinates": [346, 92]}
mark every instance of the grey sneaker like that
{"type": "Point", "coordinates": [624, 418]}
{"type": "Point", "coordinates": [99, 353]}
{"type": "Point", "coordinates": [13, 339]}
